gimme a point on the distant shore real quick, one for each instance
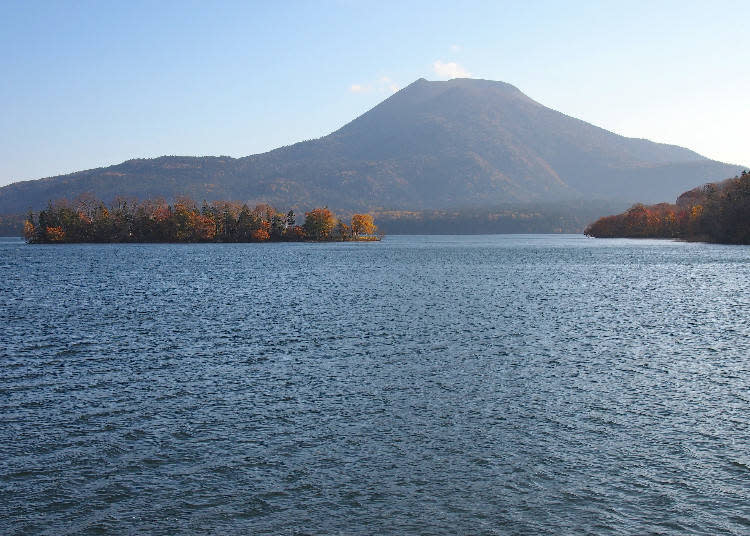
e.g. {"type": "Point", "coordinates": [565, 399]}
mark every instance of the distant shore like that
{"type": "Point", "coordinates": [715, 212]}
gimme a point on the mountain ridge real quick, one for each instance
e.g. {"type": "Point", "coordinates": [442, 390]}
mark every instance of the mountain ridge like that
{"type": "Point", "coordinates": [432, 145]}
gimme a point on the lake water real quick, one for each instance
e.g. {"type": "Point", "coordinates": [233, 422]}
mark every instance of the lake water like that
{"type": "Point", "coordinates": [420, 385]}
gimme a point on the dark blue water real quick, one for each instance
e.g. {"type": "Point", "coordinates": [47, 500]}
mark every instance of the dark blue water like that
{"type": "Point", "coordinates": [421, 385]}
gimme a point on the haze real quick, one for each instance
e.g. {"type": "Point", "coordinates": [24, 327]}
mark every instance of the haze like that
{"type": "Point", "coordinates": [88, 84]}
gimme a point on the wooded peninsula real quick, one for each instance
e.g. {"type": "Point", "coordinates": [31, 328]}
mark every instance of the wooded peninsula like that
{"type": "Point", "coordinates": [90, 220]}
{"type": "Point", "coordinates": [716, 212]}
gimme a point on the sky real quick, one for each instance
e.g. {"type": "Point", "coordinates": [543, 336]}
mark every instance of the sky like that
{"type": "Point", "coordinates": [90, 84]}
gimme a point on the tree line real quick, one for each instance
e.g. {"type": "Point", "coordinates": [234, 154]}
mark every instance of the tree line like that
{"type": "Point", "coordinates": [90, 220]}
{"type": "Point", "coordinates": [716, 212]}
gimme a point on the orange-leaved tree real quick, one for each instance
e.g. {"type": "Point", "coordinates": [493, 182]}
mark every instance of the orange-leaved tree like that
{"type": "Point", "coordinates": [263, 233]}
{"type": "Point", "coordinates": [363, 224]}
{"type": "Point", "coordinates": [55, 234]}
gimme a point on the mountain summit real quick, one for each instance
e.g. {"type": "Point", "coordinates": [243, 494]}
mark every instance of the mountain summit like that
{"type": "Point", "coordinates": [455, 144]}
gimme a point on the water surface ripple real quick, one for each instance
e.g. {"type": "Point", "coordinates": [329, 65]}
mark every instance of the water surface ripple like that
{"type": "Point", "coordinates": [421, 385]}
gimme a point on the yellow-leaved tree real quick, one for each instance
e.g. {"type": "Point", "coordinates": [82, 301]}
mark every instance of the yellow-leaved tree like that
{"type": "Point", "coordinates": [363, 224]}
{"type": "Point", "coordinates": [319, 223]}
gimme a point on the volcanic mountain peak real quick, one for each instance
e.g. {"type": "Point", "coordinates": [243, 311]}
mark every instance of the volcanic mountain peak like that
{"type": "Point", "coordinates": [447, 144]}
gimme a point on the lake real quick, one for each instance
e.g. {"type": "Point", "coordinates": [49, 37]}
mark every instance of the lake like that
{"type": "Point", "coordinates": [517, 384]}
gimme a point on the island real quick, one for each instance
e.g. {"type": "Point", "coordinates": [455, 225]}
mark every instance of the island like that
{"type": "Point", "coordinates": [90, 220]}
{"type": "Point", "coordinates": [716, 212]}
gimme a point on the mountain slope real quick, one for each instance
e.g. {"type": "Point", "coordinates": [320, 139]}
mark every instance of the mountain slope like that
{"type": "Point", "coordinates": [461, 143]}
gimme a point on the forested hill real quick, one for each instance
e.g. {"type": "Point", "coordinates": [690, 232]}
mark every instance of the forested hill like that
{"type": "Point", "coordinates": [716, 212]}
{"type": "Point", "coordinates": [432, 145]}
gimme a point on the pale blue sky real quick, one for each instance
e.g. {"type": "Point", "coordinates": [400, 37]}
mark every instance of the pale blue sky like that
{"type": "Point", "coordinates": [87, 84]}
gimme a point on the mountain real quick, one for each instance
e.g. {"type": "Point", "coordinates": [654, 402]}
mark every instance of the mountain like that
{"type": "Point", "coordinates": [433, 145]}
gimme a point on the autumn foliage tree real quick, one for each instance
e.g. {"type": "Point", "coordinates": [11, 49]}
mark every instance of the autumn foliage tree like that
{"type": "Point", "coordinates": [319, 223]}
{"type": "Point", "coordinates": [126, 220]}
{"type": "Point", "coordinates": [363, 224]}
